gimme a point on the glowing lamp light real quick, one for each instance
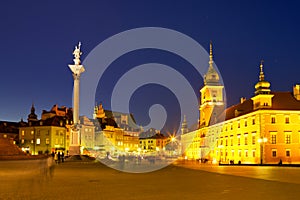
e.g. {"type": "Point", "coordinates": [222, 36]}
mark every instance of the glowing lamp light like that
{"type": "Point", "coordinates": [260, 140]}
{"type": "Point", "coordinates": [173, 139]}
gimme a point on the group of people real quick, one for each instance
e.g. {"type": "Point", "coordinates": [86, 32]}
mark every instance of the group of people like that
{"type": "Point", "coordinates": [58, 156]}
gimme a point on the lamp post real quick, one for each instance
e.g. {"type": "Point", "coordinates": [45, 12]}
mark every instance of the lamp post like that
{"type": "Point", "coordinates": [262, 142]}
{"type": "Point", "coordinates": [220, 147]}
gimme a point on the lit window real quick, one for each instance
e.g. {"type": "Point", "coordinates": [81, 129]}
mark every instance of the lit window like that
{"type": "Point", "coordinates": [273, 137]}
{"type": "Point", "coordinates": [287, 152]}
{"type": "Point", "coordinates": [32, 132]}
{"type": "Point", "coordinates": [32, 141]}
{"type": "Point", "coordinates": [38, 141]}
{"type": "Point", "coordinates": [253, 138]}
{"type": "Point", "coordinates": [253, 153]}
{"type": "Point", "coordinates": [23, 132]}
{"type": "Point", "coordinates": [47, 141]}
{"type": "Point", "coordinates": [22, 141]}
{"type": "Point", "coordinates": [274, 153]}
{"type": "Point", "coordinates": [246, 138]}
{"type": "Point", "coordinates": [288, 137]}
{"type": "Point", "coordinates": [273, 120]}
{"type": "Point", "coordinates": [287, 120]}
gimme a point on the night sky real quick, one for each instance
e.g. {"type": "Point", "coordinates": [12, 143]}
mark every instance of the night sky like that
{"type": "Point", "coordinates": [38, 38]}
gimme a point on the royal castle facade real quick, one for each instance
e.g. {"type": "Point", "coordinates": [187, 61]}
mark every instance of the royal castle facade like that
{"type": "Point", "coordinates": [264, 129]}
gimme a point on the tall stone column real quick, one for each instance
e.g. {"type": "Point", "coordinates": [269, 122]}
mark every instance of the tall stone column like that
{"type": "Point", "coordinates": [77, 69]}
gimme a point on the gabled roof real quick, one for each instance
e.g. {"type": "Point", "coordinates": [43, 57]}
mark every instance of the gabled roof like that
{"type": "Point", "coordinates": [53, 121]}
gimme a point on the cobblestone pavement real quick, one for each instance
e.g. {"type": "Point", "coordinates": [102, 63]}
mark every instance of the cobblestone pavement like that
{"type": "Point", "coordinates": [90, 180]}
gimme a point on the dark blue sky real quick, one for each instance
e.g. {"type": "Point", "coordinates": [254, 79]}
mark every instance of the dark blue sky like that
{"type": "Point", "coordinates": [38, 37]}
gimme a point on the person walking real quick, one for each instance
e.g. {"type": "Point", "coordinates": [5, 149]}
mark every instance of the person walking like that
{"type": "Point", "coordinates": [56, 157]}
{"type": "Point", "coordinates": [62, 157]}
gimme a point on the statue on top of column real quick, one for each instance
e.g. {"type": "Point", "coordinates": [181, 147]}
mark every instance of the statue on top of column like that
{"type": "Point", "coordinates": [77, 53]}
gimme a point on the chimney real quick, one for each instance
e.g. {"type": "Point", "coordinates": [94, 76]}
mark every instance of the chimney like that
{"type": "Point", "coordinates": [296, 91]}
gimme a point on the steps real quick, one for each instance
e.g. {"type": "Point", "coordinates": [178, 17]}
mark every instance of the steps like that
{"type": "Point", "coordinates": [8, 148]}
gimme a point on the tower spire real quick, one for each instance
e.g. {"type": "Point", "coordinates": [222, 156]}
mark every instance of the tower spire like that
{"type": "Point", "coordinates": [261, 74]}
{"type": "Point", "coordinates": [210, 55]}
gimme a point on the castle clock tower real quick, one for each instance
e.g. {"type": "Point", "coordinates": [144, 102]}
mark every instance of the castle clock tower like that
{"type": "Point", "coordinates": [211, 94]}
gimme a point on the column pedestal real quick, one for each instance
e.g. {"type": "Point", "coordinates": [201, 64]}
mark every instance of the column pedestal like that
{"type": "Point", "coordinates": [74, 146]}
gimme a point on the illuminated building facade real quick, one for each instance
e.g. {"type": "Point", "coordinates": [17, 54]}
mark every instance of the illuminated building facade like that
{"type": "Point", "coordinates": [261, 130]}
{"type": "Point", "coordinates": [117, 133]}
{"type": "Point", "coordinates": [87, 133]}
{"type": "Point", "coordinates": [49, 134]}
{"type": "Point", "coordinates": [155, 143]}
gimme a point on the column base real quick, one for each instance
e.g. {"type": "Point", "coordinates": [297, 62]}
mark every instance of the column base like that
{"type": "Point", "coordinates": [74, 150]}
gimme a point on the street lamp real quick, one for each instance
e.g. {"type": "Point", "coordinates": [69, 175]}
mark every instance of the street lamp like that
{"type": "Point", "coordinates": [220, 147]}
{"type": "Point", "coordinates": [262, 142]}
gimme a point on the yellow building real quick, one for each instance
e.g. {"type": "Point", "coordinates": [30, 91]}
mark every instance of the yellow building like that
{"type": "Point", "coordinates": [264, 129]}
{"type": "Point", "coordinates": [155, 143]}
{"type": "Point", "coordinates": [87, 133]}
{"type": "Point", "coordinates": [117, 132]}
{"type": "Point", "coordinates": [46, 135]}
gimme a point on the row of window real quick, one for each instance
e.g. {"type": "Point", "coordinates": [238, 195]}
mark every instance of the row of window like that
{"type": "Point", "coordinates": [286, 119]}
{"type": "Point", "coordinates": [287, 137]}
{"type": "Point", "coordinates": [273, 120]}
{"type": "Point", "coordinates": [253, 154]}
{"type": "Point", "coordinates": [38, 133]}
{"type": "Point", "coordinates": [47, 141]}
{"type": "Point", "coordinates": [230, 142]}
{"type": "Point", "coordinates": [287, 153]}
{"type": "Point", "coordinates": [246, 153]}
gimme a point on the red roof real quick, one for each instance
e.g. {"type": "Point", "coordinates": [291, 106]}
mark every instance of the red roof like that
{"type": "Point", "coordinates": [280, 101]}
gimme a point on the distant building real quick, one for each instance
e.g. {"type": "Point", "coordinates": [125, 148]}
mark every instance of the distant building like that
{"type": "Point", "coordinates": [155, 143]}
{"type": "Point", "coordinates": [49, 134]}
{"type": "Point", "coordinates": [10, 130]}
{"type": "Point", "coordinates": [116, 132]}
{"type": "Point", "coordinates": [263, 129]}
{"type": "Point", "coordinates": [87, 133]}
